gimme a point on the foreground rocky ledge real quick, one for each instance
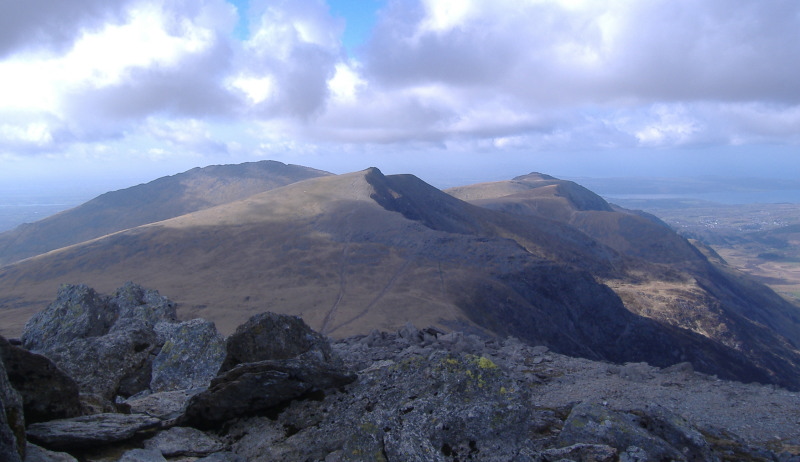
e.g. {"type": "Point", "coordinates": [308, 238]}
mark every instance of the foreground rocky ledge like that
{"type": "Point", "coordinates": [276, 390]}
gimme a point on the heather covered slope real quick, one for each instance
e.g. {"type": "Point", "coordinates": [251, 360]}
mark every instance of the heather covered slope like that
{"type": "Point", "coordinates": [363, 251]}
{"type": "Point", "coordinates": [161, 199]}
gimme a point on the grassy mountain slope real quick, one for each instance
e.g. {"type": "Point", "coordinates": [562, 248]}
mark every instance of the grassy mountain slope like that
{"type": "Point", "coordinates": [164, 198]}
{"type": "Point", "coordinates": [362, 251]}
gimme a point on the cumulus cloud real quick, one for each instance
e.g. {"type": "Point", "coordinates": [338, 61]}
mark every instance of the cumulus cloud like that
{"type": "Point", "coordinates": [284, 67]}
{"type": "Point", "coordinates": [52, 25]}
{"type": "Point", "coordinates": [659, 73]}
{"type": "Point", "coordinates": [550, 50]}
{"type": "Point", "coordinates": [500, 75]}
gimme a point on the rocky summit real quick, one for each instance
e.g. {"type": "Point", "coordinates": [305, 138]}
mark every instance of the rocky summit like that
{"type": "Point", "coordinates": [102, 378]}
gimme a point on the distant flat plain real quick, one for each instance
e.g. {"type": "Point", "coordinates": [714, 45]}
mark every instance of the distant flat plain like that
{"type": "Point", "coordinates": [760, 239]}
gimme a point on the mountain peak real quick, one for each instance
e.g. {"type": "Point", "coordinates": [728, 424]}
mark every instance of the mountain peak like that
{"type": "Point", "coordinates": [534, 176]}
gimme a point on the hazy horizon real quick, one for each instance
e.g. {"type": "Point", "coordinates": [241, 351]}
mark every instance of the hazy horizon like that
{"type": "Point", "coordinates": [28, 204]}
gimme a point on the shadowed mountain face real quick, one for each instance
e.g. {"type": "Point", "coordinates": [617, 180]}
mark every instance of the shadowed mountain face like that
{"type": "Point", "coordinates": [164, 198]}
{"type": "Point", "coordinates": [362, 251]}
{"type": "Point", "coordinates": [667, 278]}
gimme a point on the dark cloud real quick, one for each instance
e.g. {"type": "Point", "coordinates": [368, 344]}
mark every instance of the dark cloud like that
{"type": "Point", "coordinates": [189, 87]}
{"type": "Point", "coordinates": [297, 45]}
{"type": "Point", "coordinates": [52, 24]}
{"type": "Point", "coordinates": [602, 52]}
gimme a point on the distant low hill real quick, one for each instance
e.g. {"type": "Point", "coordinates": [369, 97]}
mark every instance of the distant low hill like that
{"type": "Point", "coordinates": [164, 198]}
{"type": "Point", "coordinates": [542, 259]}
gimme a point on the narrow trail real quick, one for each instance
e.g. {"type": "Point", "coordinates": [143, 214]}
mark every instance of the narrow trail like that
{"type": "Point", "coordinates": [331, 315]}
{"type": "Point", "coordinates": [388, 286]}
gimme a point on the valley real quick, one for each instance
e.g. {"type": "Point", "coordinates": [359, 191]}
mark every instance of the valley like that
{"type": "Point", "coordinates": [542, 259]}
{"type": "Point", "coordinates": [762, 240]}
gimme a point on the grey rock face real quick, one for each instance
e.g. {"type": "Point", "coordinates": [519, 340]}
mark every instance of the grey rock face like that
{"type": "Point", "coordinates": [99, 364]}
{"type": "Point", "coordinates": [134, 301]}
{"type": "Point", "coordinates": [224, 456]}
{"type": "Point", "coordinates": [593, 423]}
{"type": "Point", "coordinates": [583, 452]}
{"type": "Point", "coordinates": [12, 421]}
{"type": "Point", "coordinates": [254, 387]}
{"type": "Point", "coordinates": [89, 431]}
{"type": "Point", "coordinates": [78, 312]}
{"type": "Point", "coordinates": [190, 356]}
{"type": "Point", "coordinates": [124, 344]}
{"type": "Point", "coordinates": [47, 392]}
{"type": "Point", "coordinates": [274, 336]}
{"type": "Point", "coordinates": [142, 455]}
{"type": "Point", "coordinates": [420, 395]}
{"type": "Point", "coordinates": [34, 453]}
{"type": "Point", "coordinates": [164, 405]}
{"type": "Point", "coordinates": [184, 441]}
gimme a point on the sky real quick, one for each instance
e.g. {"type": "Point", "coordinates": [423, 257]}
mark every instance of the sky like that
{"type": "Point", "coordinates": [119, 92]}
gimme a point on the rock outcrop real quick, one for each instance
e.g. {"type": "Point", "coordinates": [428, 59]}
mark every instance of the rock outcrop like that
{"type": "Point", "coordinates": [273, 336]}
{"type": "Point", "coordinates": [190, 355]}
{"type": "Point", "coordinates": [284, 392]}
{"type": "Point", "coordinates": [47, 392]}
{"type": "Point", "coordinates": [90, 431]}
{"type": "Point", "coordinates": [12, 421]}
{"type": "Point", "coordinates": [252, 388]}
{"type": "Point", "coordinates": [125, 344]}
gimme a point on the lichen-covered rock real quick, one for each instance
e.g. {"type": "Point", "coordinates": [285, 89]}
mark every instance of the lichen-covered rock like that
{"type": "Point", "coordinates": [255, 387]}
{"type": "Point", "coordinates": [89, 431]}
{"type": "Point", "coordinates": [134, 301]}
{"type": "Point", "coordinates": [190, 356]}
{"type": "Point", "coordinates": [184, 441]}
{"type": "Point", "coordinates": [438, 407]}
{"type": "Point", "coordinates": [99, 364]}
{"type": "Point", "coordinates": [47, 392]}
{"type": "Point", "coordinates": [104, 343]}
{"type": "Point", "coordinates": [676, 431]}
{"type": "Point", "coordinates": [596, 424]}
{"type": "Point", "coordinates": [268, 336]}
{"type": "Point", "coordinates": [12, 421]}
{"type": "Point", "coordinates": [77, 313]}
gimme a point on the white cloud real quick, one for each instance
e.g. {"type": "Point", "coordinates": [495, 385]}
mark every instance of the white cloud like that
{"type": "Point", "coordinates": [346, 83]}
{"type": "Point", "coordinates": [256, 89]}
{"type": "Point", "coordinates": [169, 76]}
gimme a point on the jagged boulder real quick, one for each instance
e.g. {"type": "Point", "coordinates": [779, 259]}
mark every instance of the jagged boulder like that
{"type": "Point", "coordinates": [100, 364]}
{"type": "Point", "coordinates": [658, 433]}
{"type": "Point", "coordinates": [90, 431]}
{"type": "Point", "coordinates": [255, 387]}
{"type": "Point", "coordinates": [12, 421]}
{"type": "Point", "coordinates": [78, 312]}
{"type": "Point", "coordinates": [134, 301]}
{"type": "Point", "coordinates": [191, 354]}
{"type": "Point", "coordinates": [124, 344]}
{"type": "Point", "coordinates": [47, 392]}
{"type": "Point", "coordinates": [274, 336]}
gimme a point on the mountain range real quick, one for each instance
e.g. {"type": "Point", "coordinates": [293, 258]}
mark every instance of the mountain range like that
{"type": "Point", "coordinates": [535, 257]}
